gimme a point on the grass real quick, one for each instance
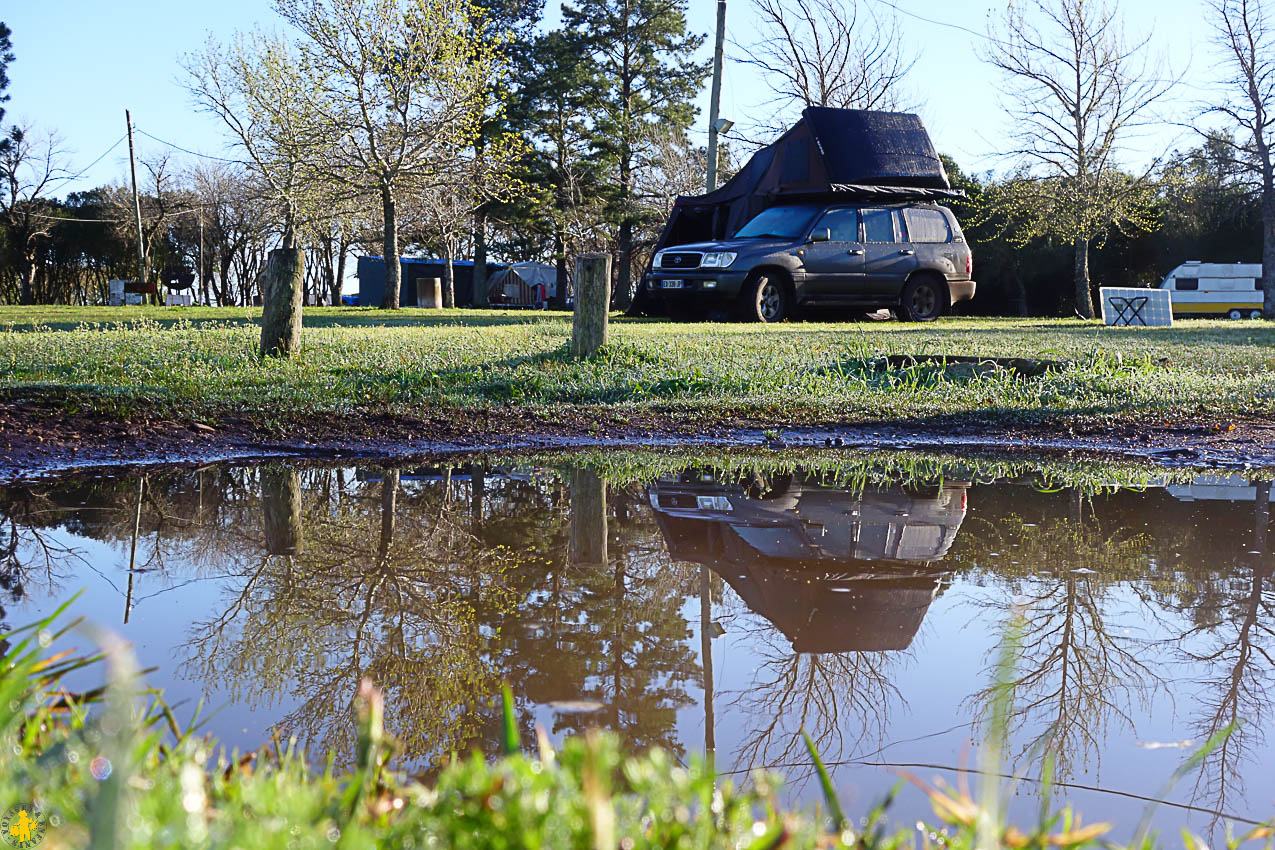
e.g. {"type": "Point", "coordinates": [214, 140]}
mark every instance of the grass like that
{"type": "Point", "coordinates": [114, 769]}
{"type": "Point", "coordinates": [202, 362]}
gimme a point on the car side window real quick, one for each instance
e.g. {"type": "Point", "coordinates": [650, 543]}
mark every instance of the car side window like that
{"type": "Point", "coordinates": [843, 224]}
{"type": "Point", "coordinates": [878, 225]}
{"type": "Point", "coordinates": [927, 226]}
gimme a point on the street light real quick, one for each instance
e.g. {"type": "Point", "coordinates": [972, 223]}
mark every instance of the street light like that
{"type": "Point", "coordinates": [723, 125]}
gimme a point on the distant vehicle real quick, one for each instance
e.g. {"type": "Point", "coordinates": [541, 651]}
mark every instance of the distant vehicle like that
{"type": "Point", "coordinates": [350, 300]}
{"type": "Point", "coordinates": [909, 257]}
{"type": "Point", "coordinates": [1216, 289]}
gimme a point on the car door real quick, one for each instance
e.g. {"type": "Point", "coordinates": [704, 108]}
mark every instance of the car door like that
{"type": "Point", "coordinates": [834, 269]}
{"type": "Point", "coordinates": [888, 258]}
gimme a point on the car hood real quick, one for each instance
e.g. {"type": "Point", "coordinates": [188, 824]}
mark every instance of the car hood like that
{"type": "Point", "coordinates": [739, 246]}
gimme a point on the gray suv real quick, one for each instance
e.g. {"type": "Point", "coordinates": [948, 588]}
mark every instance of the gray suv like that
{"type": "Point", "coordinates": [910, 257]}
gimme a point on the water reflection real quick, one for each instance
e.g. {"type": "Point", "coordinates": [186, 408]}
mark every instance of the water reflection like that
{"type": "Point", "coordinates": [702, 608]}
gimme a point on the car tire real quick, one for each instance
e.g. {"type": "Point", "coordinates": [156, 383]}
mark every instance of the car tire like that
{"type": "Point", "coordinates": [764, 298]}
{"type": "Point", "coordinates": [924, 299]}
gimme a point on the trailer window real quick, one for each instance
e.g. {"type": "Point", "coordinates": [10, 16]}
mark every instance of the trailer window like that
{"type": "Point", "coordinates": [927, 226]}
{"type": "Point", "coordinates": [1186, 284]}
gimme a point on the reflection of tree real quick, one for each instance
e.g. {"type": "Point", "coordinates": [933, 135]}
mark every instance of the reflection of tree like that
{"type": "Point", "coordinates": [1074, 671]}
{"type": "Point", "coordinates": [825, 694]}
{"type": "Point", "coordinates": [1233, 643]}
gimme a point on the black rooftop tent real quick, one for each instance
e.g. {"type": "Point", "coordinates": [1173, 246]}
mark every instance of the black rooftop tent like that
{"type": "Point", "coordinates": [829, 155]}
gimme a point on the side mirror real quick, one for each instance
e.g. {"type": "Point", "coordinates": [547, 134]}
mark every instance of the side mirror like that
{"type": "Point", "coordinates": [821, 235]}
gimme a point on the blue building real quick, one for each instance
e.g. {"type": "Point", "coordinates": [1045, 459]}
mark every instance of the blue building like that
{"type": "Point", "coordinates": [371, 275]}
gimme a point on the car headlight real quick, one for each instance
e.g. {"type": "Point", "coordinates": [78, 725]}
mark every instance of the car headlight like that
{"type": "Point", "coordinates": [659, 259]}
{"type": "Point", "coordinates": [718, 260]}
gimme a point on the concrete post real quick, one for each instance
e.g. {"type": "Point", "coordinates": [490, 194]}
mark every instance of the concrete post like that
{"type": "Point", "coordinates": [593, 303]}
{"type": "Point", "coordinates": [429, 293]}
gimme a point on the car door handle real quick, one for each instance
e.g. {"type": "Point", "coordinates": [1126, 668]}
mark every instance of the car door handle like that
{"type": "Point", "coordinates": [907, 252]}
{"type": "Point", "coordinates": [855, 252]}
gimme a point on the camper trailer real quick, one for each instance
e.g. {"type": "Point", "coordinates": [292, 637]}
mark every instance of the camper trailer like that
{"type": "Point", "coordinates": [1215, 289]}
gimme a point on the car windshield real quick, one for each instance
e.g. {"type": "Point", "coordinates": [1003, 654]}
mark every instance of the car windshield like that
{"type": "Point", "coordinates": [781, 222]}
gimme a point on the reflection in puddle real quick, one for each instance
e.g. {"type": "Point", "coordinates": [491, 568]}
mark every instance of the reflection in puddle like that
{"type": "Point", "coordinates": [707, 606]}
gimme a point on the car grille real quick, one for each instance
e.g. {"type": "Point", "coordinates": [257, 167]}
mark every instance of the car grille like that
{"type": "Point", "coordinates": [680, 260]}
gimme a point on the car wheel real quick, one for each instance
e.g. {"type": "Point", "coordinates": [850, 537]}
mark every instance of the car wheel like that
{"type": "Point", "coordinates": [1235, 314]}
{"type": "Point", "coordinates": [764, 298]}
{"type": "Point", "coordinates": [924, 299]}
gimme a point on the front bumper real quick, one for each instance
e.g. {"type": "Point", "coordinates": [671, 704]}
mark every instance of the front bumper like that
{"type": "Point", "coordinates": [697, 284]}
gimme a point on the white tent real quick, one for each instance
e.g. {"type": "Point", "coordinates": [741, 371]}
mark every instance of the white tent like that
{"type": "Point", "coordinates": [523, 284]}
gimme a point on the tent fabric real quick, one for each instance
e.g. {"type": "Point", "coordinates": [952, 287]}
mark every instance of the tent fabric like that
{"type": "Point", "coordinates": [829, 155]}
{"type": "Point", "coordinates": [521, 281]}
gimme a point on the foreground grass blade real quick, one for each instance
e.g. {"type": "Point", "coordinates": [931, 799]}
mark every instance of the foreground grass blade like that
{"type": "Point", "coordinates": [825, 781]}
{"type": "Point", "coordinates": [512, 741]}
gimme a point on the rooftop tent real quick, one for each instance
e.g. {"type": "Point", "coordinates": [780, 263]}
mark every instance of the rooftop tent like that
{"type": "Point", "coordinates": [829, 155]}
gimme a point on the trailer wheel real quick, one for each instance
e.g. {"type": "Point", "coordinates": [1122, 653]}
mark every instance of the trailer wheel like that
{"type": "Point", "coordinates": [1235, 314]}
{"type": "Point", "coordinates": [1256, 314]}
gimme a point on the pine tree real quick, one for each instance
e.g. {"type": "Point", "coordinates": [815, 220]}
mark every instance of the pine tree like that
{"type": "Point", "coordinates": [643, 56]}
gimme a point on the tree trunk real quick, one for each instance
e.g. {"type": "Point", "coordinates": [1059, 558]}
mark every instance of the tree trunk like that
{"type": "Point", "coordinates": [624, 275]}
{"type": "Point", "coordinates": [393, 270]}
{"type": "Point", "coordinates": [480, 257]}
{"type": "Point", "coordinates": [1084, 302]}
{"type": "Point", "coordinates": [281, 503]}
{"type": "Point", "coordinates": [588, 530]}
{"type": "Point", "coordinates": [28, 282]}
{"type": "Point", "coordinates": [1268, 245]}
{"type": "Point", "coordinates": [340, 271]}
{"type": "Point", "coordinates": [449, 278]}
{"type": "Point", "coordinates": [389, 504]}
{"type": "Point", "coordinates": [560, 260]}
{"type": "Point", "coordinates": [282, 285]}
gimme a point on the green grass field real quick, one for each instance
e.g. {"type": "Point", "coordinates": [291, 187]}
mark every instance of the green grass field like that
{"type": "Point", "coordinates": [202, 362]}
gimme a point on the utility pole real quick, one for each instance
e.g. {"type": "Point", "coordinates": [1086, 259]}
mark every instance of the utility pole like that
{"type": "Point", "coordinates": [202, 289]}
{"type": "Point", "coordinates": [715, 98]}
{"type": "Point", "coordinates": [137, 204]}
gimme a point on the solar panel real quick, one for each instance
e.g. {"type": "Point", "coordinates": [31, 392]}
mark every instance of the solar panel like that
{"type": "Point", "coordinates": [1131, 306]}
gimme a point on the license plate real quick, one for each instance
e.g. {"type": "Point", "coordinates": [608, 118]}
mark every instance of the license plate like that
{"type": "Point", "coordinates": [672, 284]}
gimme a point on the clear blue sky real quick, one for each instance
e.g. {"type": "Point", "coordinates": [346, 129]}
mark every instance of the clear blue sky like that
{"type": "Point", "coordinates": [81, 62]}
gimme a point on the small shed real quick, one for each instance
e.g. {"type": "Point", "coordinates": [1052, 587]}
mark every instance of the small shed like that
{"type": "Point", "coordinates": [371, 275]}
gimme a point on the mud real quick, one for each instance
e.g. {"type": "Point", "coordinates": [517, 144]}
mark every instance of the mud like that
{"type": "Point", "coordinates": [37, 441]}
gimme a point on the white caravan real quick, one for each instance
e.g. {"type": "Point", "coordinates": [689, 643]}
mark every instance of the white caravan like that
{"type": "Point", "coordinates": [1216, 289]}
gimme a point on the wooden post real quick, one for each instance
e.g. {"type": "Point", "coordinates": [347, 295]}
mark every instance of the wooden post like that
{"type": "Point", "coordinates": [282, 285]}
{"type": "Point", "coordinates": [593, 303]}
{"type": "Point", "coordinates": [281, 502]}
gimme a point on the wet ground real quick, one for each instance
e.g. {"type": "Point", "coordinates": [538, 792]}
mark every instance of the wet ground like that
{"type": "Point", "coordinates": [701, 605]}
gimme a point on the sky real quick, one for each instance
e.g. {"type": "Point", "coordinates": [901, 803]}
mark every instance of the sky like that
{"type": "Point", "coordinates": [80, 63]}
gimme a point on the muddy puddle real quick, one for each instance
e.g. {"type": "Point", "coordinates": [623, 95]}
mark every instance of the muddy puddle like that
{"type": "Point", "coordinates": [721, 603]}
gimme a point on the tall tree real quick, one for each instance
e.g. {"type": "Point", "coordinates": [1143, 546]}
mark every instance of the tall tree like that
{"type": "Point", "coordinates": [829, 53]}
{"type": "Point", "coordinates": [405, 85]}
{"type": "Point", "coordinates": [6, 56]}
{"type": "Point", "coordinates": [30, 163]}
{"type": "Point", "coordinates": [641, 52]}
{"type": "Point", "coordinates": [1247, 43]}
{"type": "Point", "coordinates": [1077, 89]}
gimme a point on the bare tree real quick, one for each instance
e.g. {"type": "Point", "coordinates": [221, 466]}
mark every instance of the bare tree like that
{"type": "Point", "coordinates": [29, 164]}
{"type": "Point", "coordinates": [829, 53]}
{"type": "Point", "coordinates": [1078, 90]}
{"type": "Point", "coordinates": [405, 87]}
{"type": "Point", "coordinates": [1247, 44]}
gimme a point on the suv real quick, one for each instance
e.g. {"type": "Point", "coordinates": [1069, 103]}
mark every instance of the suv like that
{"type": "Point", "coordinates": [909, 257]}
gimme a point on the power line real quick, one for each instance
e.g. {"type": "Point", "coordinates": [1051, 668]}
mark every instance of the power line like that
{"type": "Point", "coordinates": [187, 150]}
{"type": "Point", "coordinates": [83, 171]}
{"type": "Point", "coordinates": [938, 23]}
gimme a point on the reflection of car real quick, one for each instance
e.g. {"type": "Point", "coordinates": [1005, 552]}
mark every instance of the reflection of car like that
{"type": "Point", "coordinates": [834, 569]}
{"type": "Point", "coordinates": [799, 518]}
{"type": "Point", "coordinates": [911, 257]}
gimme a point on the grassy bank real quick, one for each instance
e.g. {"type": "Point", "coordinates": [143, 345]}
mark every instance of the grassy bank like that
{"type": "Point", "coordinates": [117, 768]}
{"type": "Point", "coordinates": [202, 363]}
